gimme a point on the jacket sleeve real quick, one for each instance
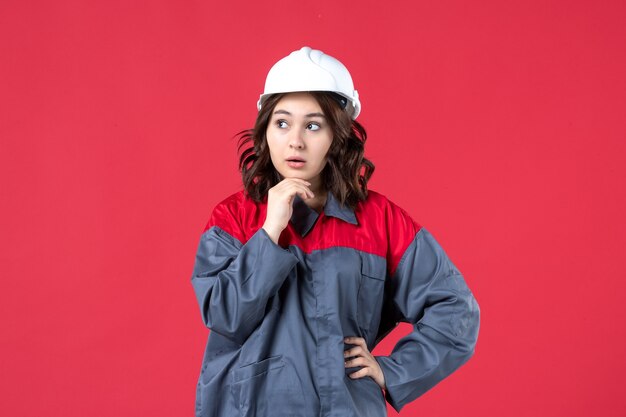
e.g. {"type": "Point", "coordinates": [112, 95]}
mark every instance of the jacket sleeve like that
{"type": "Point", "coordinates": [233, 281]}
{"type": "Point", "coordinates": [429, 292]}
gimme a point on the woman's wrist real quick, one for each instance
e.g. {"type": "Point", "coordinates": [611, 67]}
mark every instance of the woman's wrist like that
{"type": "Point", "coordinates": [272, 232]}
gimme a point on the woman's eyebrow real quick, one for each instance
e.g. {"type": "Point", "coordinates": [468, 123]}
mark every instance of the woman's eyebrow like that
{"type": "Point", "coordinates": [317, 114]}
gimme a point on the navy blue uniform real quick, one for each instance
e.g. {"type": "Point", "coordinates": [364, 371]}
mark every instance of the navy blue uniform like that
{"type": "Point", "coordinates": [279, 314]}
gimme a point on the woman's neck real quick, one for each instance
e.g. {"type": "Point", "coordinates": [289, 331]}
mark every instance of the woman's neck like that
{"type": "Point", "coordinates": [317, 203]}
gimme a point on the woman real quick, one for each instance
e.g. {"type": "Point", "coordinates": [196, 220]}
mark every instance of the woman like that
{"type": "Point", "coordinates": [300, 275]}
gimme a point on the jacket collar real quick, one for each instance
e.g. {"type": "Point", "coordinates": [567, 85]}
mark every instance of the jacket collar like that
{"type": "Point", "coordinates": [303, 217]}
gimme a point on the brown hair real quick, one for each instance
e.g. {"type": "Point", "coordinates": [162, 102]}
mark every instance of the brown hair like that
{"type": "Point", "coordinates": [346, 173]}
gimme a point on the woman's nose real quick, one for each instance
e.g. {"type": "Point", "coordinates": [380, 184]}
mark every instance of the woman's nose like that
{"type": "Point", "coordinates": [295, 140]}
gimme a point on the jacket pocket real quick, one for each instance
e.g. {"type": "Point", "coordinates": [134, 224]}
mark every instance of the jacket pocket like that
{"type": "Point", "coordinates": [267, 388]}
{"type": "Point", "coordinates": [371, 295]}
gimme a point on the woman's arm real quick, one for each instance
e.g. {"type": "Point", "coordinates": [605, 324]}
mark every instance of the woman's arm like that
{"type": "Point", "coordinates": [233, 281]}
{"type": "Point", "coordinates": [429, 292]}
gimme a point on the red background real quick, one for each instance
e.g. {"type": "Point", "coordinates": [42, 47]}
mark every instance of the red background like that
{"type": "Point", "coordinates": [497, 125]}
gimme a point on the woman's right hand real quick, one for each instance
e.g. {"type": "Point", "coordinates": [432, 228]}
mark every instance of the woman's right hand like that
{"type": "Point", "coordinates": [280, 204]}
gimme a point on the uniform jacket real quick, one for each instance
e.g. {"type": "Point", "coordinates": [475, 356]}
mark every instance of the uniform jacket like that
{"type": "Point", "coordinates": [278, 314]}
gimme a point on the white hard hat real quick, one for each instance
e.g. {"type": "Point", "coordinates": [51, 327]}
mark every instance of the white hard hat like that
{"type": "Point", "coordinates": [312, 70]}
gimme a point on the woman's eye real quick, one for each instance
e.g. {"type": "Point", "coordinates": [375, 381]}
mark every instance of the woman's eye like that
{"type": "Point", "coordinates": [313, 126]}
{"type": "Point", "coordinates": [281, 124]}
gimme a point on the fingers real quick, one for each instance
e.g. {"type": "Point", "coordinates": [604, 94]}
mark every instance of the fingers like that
{"type": "Point", "coordinates": [361, 347]}
{"type": "Point", "coordinates": [287, 181]}
{"type": "Point", "coordinates": [353, 352]}
{"type": "Point", "coordinates": [279, 204]}
{"type": "Point", "coordinates": [353, 340]}
{"type": "Point", "coordinates": [352, 363]}
{"type": "Point", "coordinates": [360, 373]}
{"type": "Point", "coordinates": [297, 180]}
{"type": "Point", "coordinates": [291, 186]}
{"type": "Point", "coordinates": [359, 341]}
{"type": "Point", "coordinates": [361, 356]}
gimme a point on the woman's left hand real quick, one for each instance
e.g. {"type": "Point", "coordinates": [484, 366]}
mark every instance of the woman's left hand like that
{"type": "Point", "coordinates": [361, 356]}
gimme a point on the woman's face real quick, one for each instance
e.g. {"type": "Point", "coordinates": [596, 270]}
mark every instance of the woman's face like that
{"type": "Point", "coordinates": [299, 137]}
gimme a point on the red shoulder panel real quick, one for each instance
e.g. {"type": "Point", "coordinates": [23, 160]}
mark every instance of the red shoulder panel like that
{"type": "Point", "coordinates": [383, 229]}
{"type": "Point", "coordinates": [226, 216]}
{"type": "Point", "coordinates": [401, 231]}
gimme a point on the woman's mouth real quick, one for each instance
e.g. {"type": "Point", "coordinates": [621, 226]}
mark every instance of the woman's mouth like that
{"type": "Point", "coordinates": [295, 162]}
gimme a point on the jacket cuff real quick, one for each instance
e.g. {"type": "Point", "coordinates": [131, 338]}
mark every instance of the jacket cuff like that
{"type": "Point", "coordinates": [271, 260]}
{"type": "Point", "coordinates": [389, 393]}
